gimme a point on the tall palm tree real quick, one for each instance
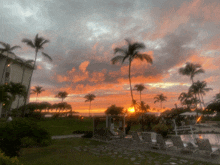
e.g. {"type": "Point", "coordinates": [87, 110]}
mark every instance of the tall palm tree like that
{"type": "Point", "coordinates": [37, 44]}
{"type": "Point", "coordinates": [62, 95]}
{"type": "Point", "coordinates": [131, 53]}
{"type": "Point", "coordinates": [90, 98]}
{"type": "Point", "coordinates": [139, 88]}
{"type": "Point", "coordinates": [191, 70]}
{"type": "Point", "coordinates": [7, 48]}
{"type": "Point", "coordinates": [200, 89]}
{"type": "Point", "coordinates": [187, 99]}
{"type": "Point", "coordinates": [160, 98]}
{"type": "Point", "coordinates": [38, 90]}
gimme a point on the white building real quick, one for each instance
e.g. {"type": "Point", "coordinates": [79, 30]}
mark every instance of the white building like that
{"type": "Point", "coordinates": [13, 73]}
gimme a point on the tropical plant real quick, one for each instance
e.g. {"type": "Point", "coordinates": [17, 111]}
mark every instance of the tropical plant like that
{"type": "Point", "coordinates": [37, 44]}
{"type": "Point", "coordinates": [90, 98]}
{"type": "Point", "coordinates": [5, 97]}
{"type": "Point", "coordinates": [139, 88]}
{"type": "Point", "coordinates": [15, 89]}
{"type": "Point", "coordinates": [187, 99]}
{"type": "Point", "coordinates": [7, 48]}
{"type": "Point", "coordinates": [113, 110]}
{"type": "Point", "coordinates": [144, 109]}
{"type": "Point", "coordinates": [62, 95]}
{"type": "Point", "coordinates": [160, 98]}
{"type": "Point", "coordinates": [38, 90]}
{"type": "Point", "coordinates": [131, 53]}
{"type": "Point", "coordinates": [214, 106]}
{"type": "Point", "coordinates": [191, 70]}
{"type": "Point", "coordinates": [217, 97]}
{"type": "Point", "coordinates": [199, 88]}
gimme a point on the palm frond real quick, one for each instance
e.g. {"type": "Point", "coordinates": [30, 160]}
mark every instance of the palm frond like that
{"type": "Point", "coordinates": [138, 46]}
{"type": "Point", "coordinates": [29, 61]}
{"type": "Point", "coordinates": [47, 56]}
{"type": "Point", "coordinates": [3, 44]}
{"type": "Point", "coordinates": [117, 59]}
{"type": "Point", "coordinates": [120, 50]}
{"type": "Point", "coordinates": [28, 42]}
{"type": "Point", "coordinates": [144, 57]}
{"type": "Point", "coordinates": [42, 43]}
{"type": "Point", "coordinates": [199, 71]}
{"type": "Point", "coordinates": [15, 47]}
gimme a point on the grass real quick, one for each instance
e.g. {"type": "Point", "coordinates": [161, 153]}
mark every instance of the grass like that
{"type": "Point", "coordinates": [65, 126]}
{"type": "Point", "coordinates": [62, 152]}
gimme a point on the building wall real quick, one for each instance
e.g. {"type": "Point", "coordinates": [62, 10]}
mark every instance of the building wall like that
{"type": "Point", "coordinates": [16, 71]}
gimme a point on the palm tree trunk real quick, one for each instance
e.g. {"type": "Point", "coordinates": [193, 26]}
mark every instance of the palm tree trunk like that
{"type": "Point", "coordinates": [89, 108]}
{"type": "Point", "coordinates": [161, 104]}
{"type": "Point", "coordinates": [140, 96]}
{"type": "Point", "coordinates": [36, 50]}
{"type": "Point", "coordinates": [129, 76]}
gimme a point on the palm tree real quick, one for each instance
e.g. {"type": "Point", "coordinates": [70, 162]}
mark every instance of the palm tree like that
{"type": "Point", "coordinates": [140, 88]}
{"type": "Point", "coordinates": [131, 53]}
{"type": "Point", "coordinates": [37, 44]}
{"type": "Point", "coordinates": [187, 99]}
{"type": "Point", "coordinates": [217, 97]}
{"type": "Point", "coordinates": [200, 89]}
{"type": "Point", "coordinates": [7, 48]}
{"type": "Point", "coordinates": [191, 70]}
{"type": "Point", "coordinates": [144, 109]}
{"type": "Point", "coordinates": [90, 98]}
{"type": "Point", "coordinates": [5, 98]}
{"type": "Point", "coordinates": [62, 95]}
{"type": "Point", "coordinates": [15, 89]}
{"type": "Point", "coordinates": [160, 98]}
{"type": "Point", "coordinates": [37, 90]}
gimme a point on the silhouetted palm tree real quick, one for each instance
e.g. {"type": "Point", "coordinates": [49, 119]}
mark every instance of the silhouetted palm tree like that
{"type": "Point", "coordinates": [5, 97]}
{"type": "Point", "coordinates": [200, 89]}
{"type": "Point", "coordinates": [15, 89]}
{"type": "Point", "coordinates": [139, 88]}
{"type": "Point", "coordinates": [160, 98]}
{"type": "Point", "coordinates": [37, 44]}
{"type": "Point", "coordinates": [187, 99]}
{"type": "Point", "coordinates": [62, 95]}
{"type": "Point", "coordinates": [38, 90]}
{"type": "Point", "coordinates": [90, 98]}
{"type": "Point", "coordinates": [7, 48]}
{"type": "Point", "coordinates": [191, 70]}
{"type": "Point", "coordinates": [131, 53]}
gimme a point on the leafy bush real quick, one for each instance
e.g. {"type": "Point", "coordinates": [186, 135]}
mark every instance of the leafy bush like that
{"type": "Point", "coordinates": [161, 129]}
{"type": "Point", "coordinates": [5, 160]}
{"type": "Point", "coordinates": [21, 132]}
{"type": "Point", "coordinates": [28, 142]}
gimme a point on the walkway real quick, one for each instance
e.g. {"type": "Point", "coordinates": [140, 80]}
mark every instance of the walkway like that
{"type": "Point", "coordinates": [67, 136]}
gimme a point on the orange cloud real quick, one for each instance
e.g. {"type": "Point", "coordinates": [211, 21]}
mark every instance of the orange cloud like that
{"type": "Point", "coordinates": [83, 66]}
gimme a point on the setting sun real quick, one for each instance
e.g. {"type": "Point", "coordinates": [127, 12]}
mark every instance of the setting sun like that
{"type": "Point", "coordinates": [131, 109]}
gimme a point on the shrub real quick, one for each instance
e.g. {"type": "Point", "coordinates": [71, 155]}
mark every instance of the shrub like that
{"type": "Point", "coordinates": [28, 142]}
{"type": "Point", "coordinates": [5, 160]}
{"type": "Point", "coordinates": [161, 129]}
{"type": "Point", "coordinates": [21, 132]}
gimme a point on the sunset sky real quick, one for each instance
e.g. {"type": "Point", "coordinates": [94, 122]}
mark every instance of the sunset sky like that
{"type": "Point", "coordinates": [83, 35]}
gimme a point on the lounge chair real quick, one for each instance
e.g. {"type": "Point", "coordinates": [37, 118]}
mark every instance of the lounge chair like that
{"type": "Point", "coordinates": [135, 137]}
{"type": "Point", "coordinates": [160, 144]}
{"type": "Point", "coordinates": [205, 147]}
{"type": "Point", "coordinates": [178, 143]}
{"type": "Point", "coordinates": [146, 136]}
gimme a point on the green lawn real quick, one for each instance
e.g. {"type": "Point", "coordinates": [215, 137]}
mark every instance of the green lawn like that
{"type": "Point", "coordinates": [66, 126]}
{"type": "Point", "coordinates": [63, 152]}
